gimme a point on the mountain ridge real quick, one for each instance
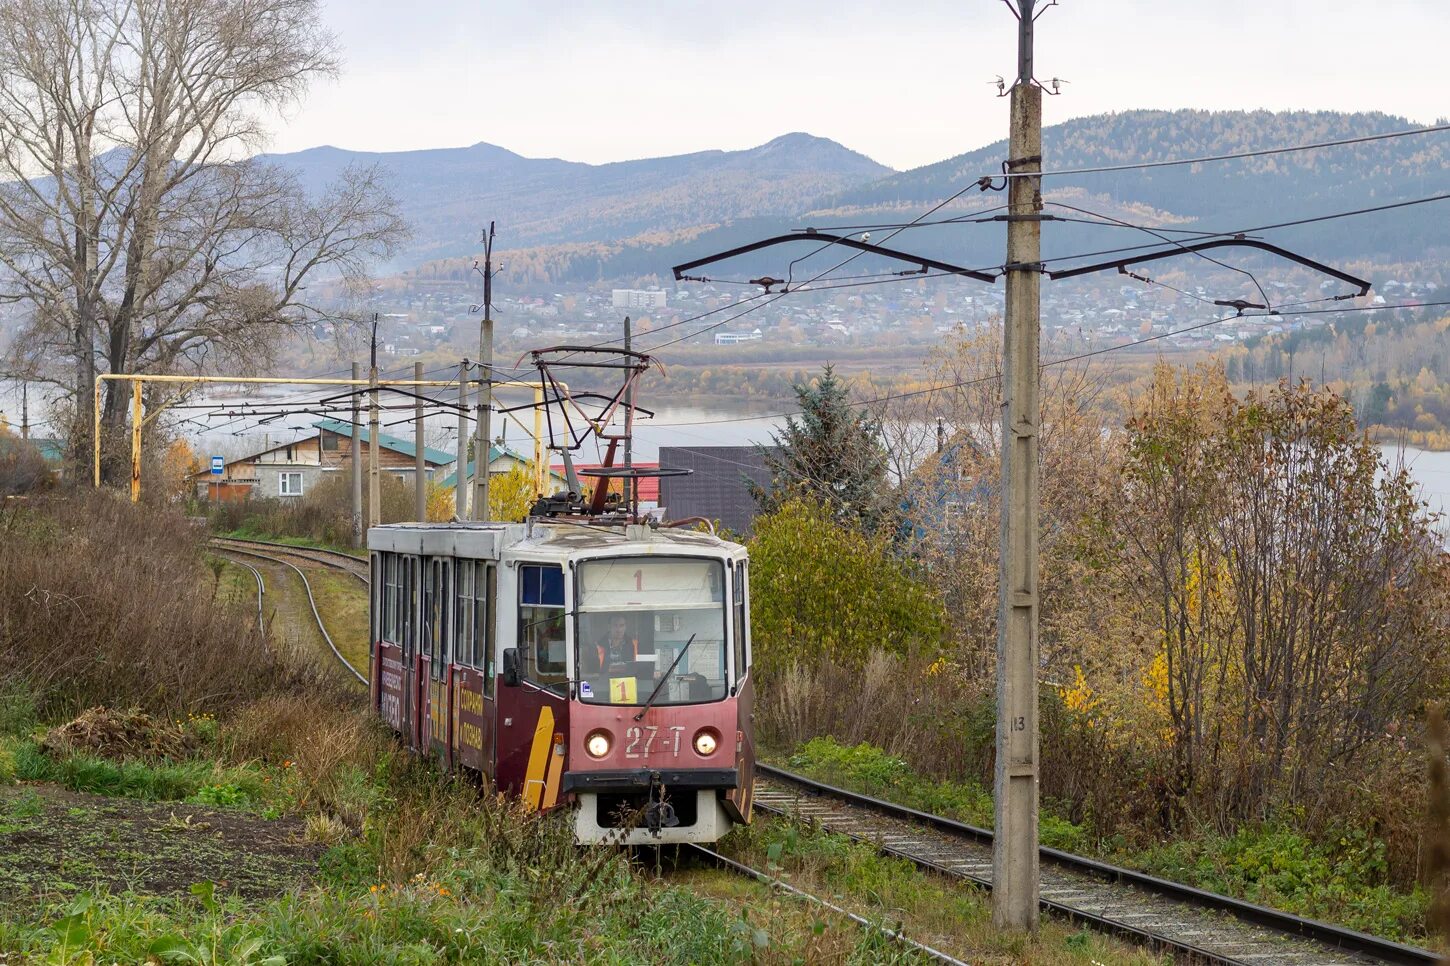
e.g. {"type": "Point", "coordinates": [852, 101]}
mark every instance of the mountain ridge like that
{"type": "Point", "coordinates": [446, 193]}
{"type": "Point", "coordinates": [634, 218]}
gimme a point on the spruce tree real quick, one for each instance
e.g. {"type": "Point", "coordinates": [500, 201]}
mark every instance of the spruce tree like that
{"type": "Point", "coordinates": [831, 455]}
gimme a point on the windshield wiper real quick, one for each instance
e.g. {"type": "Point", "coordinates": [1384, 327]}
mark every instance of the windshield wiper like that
{"type": "Point", "coordinates": [656, 692]}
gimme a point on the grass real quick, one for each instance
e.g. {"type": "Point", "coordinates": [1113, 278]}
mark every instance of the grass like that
{"type": "Point", "coordinates": [1343, 880]}
{"type": "Point", "coordinates": [869, 770]}
{"type": "Point", "coordinates": [308, 543]}
{"type": "Point", "coordinates": [421, 867]}
{"type": "Point", "coordinates": [343, 603]}
{"type": "Point", "coordinates": [236, 583]}
{"type": "Point", "coordinates": [951, 916]}
{"type": "Point", "coordinates": [1272, 863]}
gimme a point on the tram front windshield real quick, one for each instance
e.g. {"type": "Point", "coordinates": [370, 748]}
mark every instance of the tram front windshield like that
{"type": "Point", "coordinates": [647, 623]}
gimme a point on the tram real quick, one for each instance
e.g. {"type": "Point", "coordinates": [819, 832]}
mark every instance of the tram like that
{"type": "Point", "coordinates": [605, 667]}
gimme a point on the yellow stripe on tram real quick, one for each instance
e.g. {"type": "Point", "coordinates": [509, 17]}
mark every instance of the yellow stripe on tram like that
{"type": "Point", "coordinates": [556, 770]}
{"type": "Point", "coordinates": [539, 757]}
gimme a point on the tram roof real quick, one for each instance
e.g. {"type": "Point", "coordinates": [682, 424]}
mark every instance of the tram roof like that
{"type": "Point", "coordinates": [550, 537]}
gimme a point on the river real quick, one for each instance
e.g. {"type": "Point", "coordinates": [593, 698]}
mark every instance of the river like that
{"type": "Point", "coordinates": [721, 424]}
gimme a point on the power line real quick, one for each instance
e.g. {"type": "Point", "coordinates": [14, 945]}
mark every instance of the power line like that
{"type": "Point", "coordinates": [926, 214]}
{"type": "Point", "coordinates": [1060, 258]}
{"type": "Point", "coordinates": [1178, 244]}
{"type": "Point", "coordinates": [1315, 219]}
{"type": "Point", "coordinates": [889, 397]}
{"type": "Point", "coordinates": [1262, 152]}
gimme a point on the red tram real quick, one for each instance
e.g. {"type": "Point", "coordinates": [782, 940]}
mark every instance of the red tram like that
{"type": "Point", "coordinates": [601, 666]}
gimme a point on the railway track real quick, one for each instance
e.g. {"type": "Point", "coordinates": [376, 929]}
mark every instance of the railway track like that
{"type": "Point", "coordinates": [261, 594]}
{"type": "Point", "coordinates": [275, 553]}
{"type": "Point", "coordinates": [751, 873]}
{"type": "Point", "coordinates": [335, 559]}
{"type": "Point", "coordinates": [1193, 924]}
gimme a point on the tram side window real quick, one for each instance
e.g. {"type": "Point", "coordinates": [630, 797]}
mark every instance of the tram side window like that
{"type": "Point", "coordinates": [430, 619]}
{"type": "Point", "coordinates": [392, 592]}
{"type": "Point", "coordinates": [463, 613]}
{"type": "Point", "coordinates": [437, 597]}
{"type": "Point", "coordinates": [742, 620]}
{"type": "Point", "coordinates": [408, 604]}
{"type": "Point", "coordinates": [380, 596]}
{"type": "Point", "coordinates": [542, 649]}
{"type": "Point", "coordinates": [485, 592]}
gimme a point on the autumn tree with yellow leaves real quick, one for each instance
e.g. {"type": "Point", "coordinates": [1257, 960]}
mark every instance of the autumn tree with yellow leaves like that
{"type": "Point", "coordinates": [1290, 582]}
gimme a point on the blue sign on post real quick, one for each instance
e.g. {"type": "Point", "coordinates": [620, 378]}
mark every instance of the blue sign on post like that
{"type": "Point", "coordinates": [218, 465]}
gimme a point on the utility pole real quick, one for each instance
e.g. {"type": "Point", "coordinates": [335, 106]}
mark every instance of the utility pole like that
{"type": "Point", "coordinates": [25, 410]}
{"type": "Point", "coordinates": [1014, 844]}
{"type": "Point", "coordinates": [420, 465]}
{"type": "Point", "coordinates": [482, 446]}
{"type": "Point", "coordinates": [628, 440]}
{"type": "Point", "coordinates": [357, 503]}
{"type": "Point", "coordinates": [460, 477]}
{"type": "Point", "coordinates": [374, 483]}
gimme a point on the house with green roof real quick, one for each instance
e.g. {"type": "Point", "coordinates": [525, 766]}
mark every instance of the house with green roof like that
{"type": "Point", "coordinates": [292, 469]}
{"type": "Point", "coordinates": [501, 459]}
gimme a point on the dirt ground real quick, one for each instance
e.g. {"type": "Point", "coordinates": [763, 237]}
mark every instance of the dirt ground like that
{"type": "Point", "coordinates": [54, 842]}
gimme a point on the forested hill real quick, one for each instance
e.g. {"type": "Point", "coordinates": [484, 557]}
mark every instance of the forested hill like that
{"type": "Point", "coordinates": [1219, 196]}
{"type": "Point", "coordinates": [447, 193]}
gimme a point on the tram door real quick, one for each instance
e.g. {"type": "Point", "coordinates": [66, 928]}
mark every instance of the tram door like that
{"type": "Point", "coordinates": [436, 714]}
{"type": "Point", "coordinates": [389, 665]}
{"type": "Point", "coordinates": [408, 630]}
{"type": "Point", "coordinates": [533, 687]}
{"type": "Point", "coordinates": [475, 585]}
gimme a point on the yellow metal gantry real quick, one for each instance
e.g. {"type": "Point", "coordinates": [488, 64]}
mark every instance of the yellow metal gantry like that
{"type": "Point", "coordinates": [139, 417]}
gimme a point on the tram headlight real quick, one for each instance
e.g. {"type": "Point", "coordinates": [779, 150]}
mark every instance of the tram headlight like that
{"type": "Point", "coordinates": [597, 744]}
{"type": "Point", "coordinates": [705, 743]}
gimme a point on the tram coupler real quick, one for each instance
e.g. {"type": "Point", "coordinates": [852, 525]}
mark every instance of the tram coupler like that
{"type": "Point", "coordinates": [658, 813]}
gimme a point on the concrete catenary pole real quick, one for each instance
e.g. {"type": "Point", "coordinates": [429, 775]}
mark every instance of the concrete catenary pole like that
{"type": "Point", "coordinates": [357, 501]}
{"type": "Point", "coordinates": [374, 483]}
{"type": "Point", "coordinates": [485, 385]}
{"type": "Point", "coordinates": [420, 465]}
{"type": "Point", "coordinates": [460, 476]}
{"type": "Point", "coordinates": [1014, 846]}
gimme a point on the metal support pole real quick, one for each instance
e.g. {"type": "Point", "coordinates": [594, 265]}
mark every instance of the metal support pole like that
{"type": "Point", "coordinates": [460, 476]}
{"type": "Point", "coordinates": [541, 463]}
{"type": "Point", "coordinates": [96, 434]}
{"type": "Point", "coordinates": [1014, 845]}
{"type": "Point", "coordinates": [136, 441]}
{"type": "Point", "coordinates": [629, 494]}
{"type": "Point", "coordinates": [374, 484]}
{"type": "Point", "coordinates": [25, 410]}
{"type": "Point", "coordinates": [357, 500]}
{"type": "Point", "coordinates": [420, 465]}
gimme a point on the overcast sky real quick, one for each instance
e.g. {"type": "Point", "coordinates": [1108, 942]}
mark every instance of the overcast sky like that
{"type": "Point", "coordinates": [905, 82]}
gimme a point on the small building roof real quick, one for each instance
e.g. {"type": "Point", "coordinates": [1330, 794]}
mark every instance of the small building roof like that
{"type": "Point", "coordinates": [495, 452]}
{"type": "Point", "coordinates": [51, 450]}
{"type": "Point", "coordinates": [437, 457]}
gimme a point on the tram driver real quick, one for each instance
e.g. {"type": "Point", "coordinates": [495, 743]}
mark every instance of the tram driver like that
{"type": "Point", "coordinates": [618, 650]}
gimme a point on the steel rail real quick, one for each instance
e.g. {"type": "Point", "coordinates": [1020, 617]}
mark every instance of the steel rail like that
{"type": "Point", "coordinates": [311, 601]}
{"type": "Point", "coordinates": [1285, 924]}
{"type": "Point", "coordinates": [261, 589]}
{"type": "Point", "coordinates": [307, 553]}
{"type": "Point", "coordinates": [756, 874]}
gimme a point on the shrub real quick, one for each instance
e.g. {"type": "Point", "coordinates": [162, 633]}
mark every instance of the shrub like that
{"type": "Point", "coordinates": [103, 603]}
{"type": "Point", "coordinates": [823, 593]}
{"type": "Point", "coordinates": [22, 468]}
